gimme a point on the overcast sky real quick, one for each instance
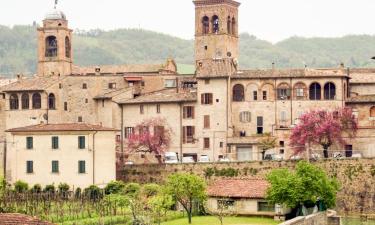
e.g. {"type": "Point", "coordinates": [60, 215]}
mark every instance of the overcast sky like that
{"type": "Point", "coordinates": [272, 20]}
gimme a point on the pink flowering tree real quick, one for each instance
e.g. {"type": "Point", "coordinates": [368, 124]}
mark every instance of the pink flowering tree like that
{"type": "Point", "coordinates": [150, 136]}
{"type": "Point", "coordinates": [323, 128]}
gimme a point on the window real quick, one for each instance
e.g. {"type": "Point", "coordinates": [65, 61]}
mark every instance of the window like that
{"type": "Point", "coordinates": [55, 166]}
{"type": "Point", "coordinates": [81, 166]}
{"type": "Point", "coordinates": [60, 86]}
{"type": "Point", "coordinates": [283, 92]}
{"type": "Point", "coordinates": [65, 106]}
{"type": "Point", "coordinates": [315, 91]}
{"type": "Point", "coordinates": [51, 46]}
{"type": "Point", "coordinates": [264, 95]}
{"type": "Point", "coordinates": [80, 119]}
{"type": "Point", "coordinates": [55, 142]}
{"type": "Point", "coordinates": [300, 90]}
{"type": "Point", "coordinates": [143, 130]}
{"type": "Point", "coordinates": [206, 143]}
{"type": "Point", "coordinates": [265, 207]}
{"type": "Point", "coordinates": [206, 99]}
{"type": "Point", "coordinates": [329, 91]}
{"type": "Point", "coordinates": [13, 101]}
{"type": "Point", "coordinates": [159, 131]}
{"type": "Point", "coordinates": [372, 111]}
{"type": "Point", "coordinates": [206, 124]}
{"type": "Point", "coordinates": [206, 81]}
{"type": "Point", "coordinates": [141, 109]}
{"type": "Point", "coordinates": [84, 86]}
{"type": "Point", "coordinates": [112, 85]}
{"type": "Point", "coordinates": [238, 93]}
{"type": "Point", "coordinates": [205, 25]}
{"type": "Point", "coordinates": [81, 142]}
{"type": "Point", "coordinates": [282, 143]}
{"type": "Point", "coordinates": [170, 83]}
{"type": "Point", "coordinates": [29, 167]}
{"type": "Point", "coordinates": [67, 47]}
{"type": "Point", "coordinates": [128, 132]}
{"type": "Point", "coordinates": [51, 101]}
{"type": "Point", "coordinates": [225, 204]}
{"type": "Point", "coordinates": [255, 95]}
{"type": "Point", "coordinates": [25, 102]}
{"type": "Point", "coordinates": [158, 108]}
{"type": "Point", "coordinates": [188, 112]}
{"type": "Point", "coordinates": [86, 100]}
{"type": "Point", "coordinates": [260, 125]}
{"type": "Point", "coordinates": [37, 101]}
{"type": "Point", "coordinates": [283, 116]}
{"type": "Point", "coordinates": [245, 117]}
{"type": "Point", "coordinates": [215, 24]}
{"type": "Point", "coordinates": [188, 133]}
{"type": "Point", "coordinates": [29, 142]}
{"type": "Point", "coordinates": [233, 26]}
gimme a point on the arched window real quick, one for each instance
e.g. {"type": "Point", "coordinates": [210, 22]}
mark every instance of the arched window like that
{"type": "Point", "coordinates": [329, 91]}
{"type": "Point", "coordinates": [238, 93]}
{"type": "Point", "coordinates": [51, 101]}
{"type": "Point", "coordinates": [25, 101]}
{"type": "Point", "coordinates": [283, 91]}
{"type": "Point", "coordinates": [215, 24]}
{"type": "Point", "coordinates": [51, 46]}
{"type": "Point", "coordinates": [205, 25]}
{"type": "Point", "coordinates": [37, 101]}
{"type": "Point", "coordinates": [233, 26]}
{"type": "Point", "coordinates": [299, 91]}
{"type": "Point", "coordinates": [229, 23]}
{"type": "Point", "coordinates": [315, 91]}
{"type": "Point", "coordinates": [372, 111]}
{"type": "Point", "coordinates": [67, 47]}
{"type": "Point", "coordinates": [13, 101]}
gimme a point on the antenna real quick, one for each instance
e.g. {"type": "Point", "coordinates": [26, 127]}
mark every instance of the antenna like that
{"type": "Point", "coordinates": [56, 2]}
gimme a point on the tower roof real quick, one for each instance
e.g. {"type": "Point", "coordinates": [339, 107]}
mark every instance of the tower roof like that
{"type": "Point", "coordinates": [55, 14]}
{"type": "Point", "coordinates": [215, 2]}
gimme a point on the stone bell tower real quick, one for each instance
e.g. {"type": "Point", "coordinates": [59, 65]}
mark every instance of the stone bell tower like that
{"type": "Point", "coordinates": [216, 29]}
{"type": "Point", "coordinates": [54, 45]}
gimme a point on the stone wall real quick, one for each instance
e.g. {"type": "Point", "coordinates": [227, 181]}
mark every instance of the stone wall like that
{"type": "Point", "coordinates": [356, 176]}
{"type": "Point", "coordinates": [315, 219]}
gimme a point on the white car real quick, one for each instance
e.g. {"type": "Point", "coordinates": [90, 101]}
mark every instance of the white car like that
{"type": "Point", "coordinates": [224, 159]}
{"type": "Point", "coordinates": [170, 157]}
{"type": "Point", "coordinates": [204, 158]}
{"type": "Point", "coordinates": [188, 159]}
{"type": "Point", "coordinates": [295, 157]}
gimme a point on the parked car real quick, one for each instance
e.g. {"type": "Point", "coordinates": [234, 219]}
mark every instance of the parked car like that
{"type": "Point", "coordinates": [170, 157]}
{"type": "Point", "coordinates": [337, 155]}
{"type": "Point", "coordinates": [129, 163]}
{"type": "Point", "coordinates": [188, 159]}
{"type": "Point", "coordinates": [225, 159]}
{"type": "Point", "coordinates": [295, 157]}
{"type": "Point", "coordinates": [204, 158]}
{"type": "Point", "coordinates": [276, 157]}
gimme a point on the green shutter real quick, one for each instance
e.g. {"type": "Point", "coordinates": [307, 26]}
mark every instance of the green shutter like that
{"type": "Point", "coordinates": [81, 167]}
{"type": "Point", "coordinates": [29, 142]}
{"type": "Point", "coordinates": [29, 167]}
{"type": "Point", "coordinates": [81, 142]}
{"type": "Point", "coordinates": [55, 142]}
{"type": "Point", "coordinates": [55, 166]}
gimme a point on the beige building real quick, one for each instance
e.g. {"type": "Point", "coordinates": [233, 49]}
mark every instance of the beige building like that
{"type": "Point", "coordinates": [77, 154]}
{"type": "Point", "coordinates": [217, 111]}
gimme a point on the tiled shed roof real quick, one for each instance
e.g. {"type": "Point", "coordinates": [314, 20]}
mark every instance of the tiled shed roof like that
{"type": "Point", "coordinates": [31, 84]}
{"type": "Point", "coordinates": [238, 188]}
{"type": "Point", "coordinates": [61, 127]}
{"type": "Point", "coordinates": [275, 73]}
{"type": "Point", "coordinates": [20, 219]}
{"type": "Point", "coordinates": [163, 96]}
{"type": "Point", "coordinates": [362, 99]}
{"type": "Point", "coordinates": [362, 75]}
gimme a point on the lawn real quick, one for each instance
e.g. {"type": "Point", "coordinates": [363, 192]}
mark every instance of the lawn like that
{"type": "Point", "coordinates": [210, 220]}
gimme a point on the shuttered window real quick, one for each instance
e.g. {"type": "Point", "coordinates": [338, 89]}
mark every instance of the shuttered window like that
{"type": "Point", "coordinates": [206, 122]}
{"type": "Point", "coordinates": [29, 142]}
{"type": "Point", "coordinates": [55, 166]}
{"type": "Point", "coordinates": [206, 143]}
{"type": "Point", "coordinates": [206, 99]}
{"type": "Point", "coordinates": [29, 167]}
{"type": "Point", "coordinates": [159, 130]}
{"type": "Point", "coordinates": [245, 117]}
{"type": "Point", "coordinates": [55, 142]}
{"type": "Point", "coordinates": [128, 132]}
{"type": "Point", "coordinates": [81, 166]}
{"type": "Point", "coordinates": [188, 112]}
{"type": "Point", "coordinates": [81, 142]}
{"type": "Point", "coordinates": [188, 133]}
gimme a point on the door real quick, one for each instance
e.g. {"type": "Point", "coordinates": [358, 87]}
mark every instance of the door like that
{"type": "Point", "coordinates": [245, 153]}
{"type": "Point", "coordinates": [348, 151]}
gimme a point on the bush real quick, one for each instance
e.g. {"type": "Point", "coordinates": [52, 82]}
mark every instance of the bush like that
{"type": "Point", "coordinates": [63, 187]}
{"type": "Point", "coordinates": [150, 190]}
{"type": "Point", "coordinates": [37, 188]}
{"type": "Point", "coordinates": [132, 189]}
{"type": "Point", "coordinates": [78, 193]}
{"type": "Point", "coordinates": [114, 187]}
{"type": "Point", "coordinates": [21, 186]}
{"type": "Point", "coordinates": [50, 188]}
{"type": "Point", "coordinates": [93, 192]}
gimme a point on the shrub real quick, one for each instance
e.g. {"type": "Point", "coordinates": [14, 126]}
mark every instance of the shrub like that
{"type": "Point", "coordinates": [150, 190]}
{"type": "Point", "coordinates": [114, 187]}
{"type": "Point", "coordinates": [78, 193]}
{"type": "Point", "coordinates": [93, 192]}
{"type": "Point", "coordinates": [50, 188]}
{"type": "Point", "coordinates": [37, 188]}
{"type": "Point", "coordinates": [21, 186]}
{"type": "Point", "coordinates": [63, 187]}
{"type": "Point", "coordinates": [132, 189]}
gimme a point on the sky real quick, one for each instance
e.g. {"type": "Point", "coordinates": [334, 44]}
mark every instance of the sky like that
{"type": "Point", "coordinates": [272, 20]}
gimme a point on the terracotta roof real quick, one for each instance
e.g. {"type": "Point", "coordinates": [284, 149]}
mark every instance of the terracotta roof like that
{"type": "Point", "coordinates": [5, 81]}
{"type": "Point", "coordinates": [362, 99]}
{"type": "Point", "coordinates": [238, 188]}
{"type": "Point", "coordinates": [31, 84]}
{"type": "Point", "coordinates": [266, 73]}
{"type": "Point", "coordinates": [20, 219]}
{"type": "Point", "coordinates": [362, 75]}
{"type": "Point", "coordinates": [61, 127]}
{"type": "Point", "coordinates": [112, 93]}
{"type": "Point", "coordinates": [166, 96]}
{"type": "Point", "coordinates": [217, 68]}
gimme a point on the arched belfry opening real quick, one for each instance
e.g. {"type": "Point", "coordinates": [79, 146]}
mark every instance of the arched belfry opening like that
{"type": "Point", "coordinates": [205, 25]}
{"type": "Point", "coordinates": [51, 46]}
{"type": "Point", "coordinates": [215, 24]}
{"type": "Point", "coordinates": [67, 47]}
{"type": "Point", "coordinates": [234, 26]}
{"type": "Point", "coordinates": [229, 25]}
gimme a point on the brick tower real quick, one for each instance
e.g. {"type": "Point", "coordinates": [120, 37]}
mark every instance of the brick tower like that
{"type": "Point", "coordinates": [54, 45]}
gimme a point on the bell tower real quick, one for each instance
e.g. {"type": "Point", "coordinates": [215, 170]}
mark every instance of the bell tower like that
{"type": "Point", "coordinates": [216, 29]}
{"type": "Point", "coordinates": [54, 45]}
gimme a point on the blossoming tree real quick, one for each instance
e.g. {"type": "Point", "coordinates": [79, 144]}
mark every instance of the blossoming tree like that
{"type": "Point", "coordinates": [324, 128]}
{"type": "Point", "coordinates": [150, 136]}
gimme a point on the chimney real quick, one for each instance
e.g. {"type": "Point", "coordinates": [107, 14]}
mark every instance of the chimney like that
{"type": "Point", "coordinates": [97, 70]}
{"type": "Point", "coordinates": [342, 65]}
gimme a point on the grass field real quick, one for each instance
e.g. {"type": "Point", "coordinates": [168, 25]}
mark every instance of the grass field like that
{"type": "Point", "coordinates": [209, 220]}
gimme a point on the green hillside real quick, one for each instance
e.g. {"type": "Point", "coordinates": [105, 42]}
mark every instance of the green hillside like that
{"type": "Point", "coordinates": [129, 46]}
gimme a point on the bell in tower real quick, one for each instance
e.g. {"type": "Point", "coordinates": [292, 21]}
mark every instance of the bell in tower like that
{"type": "Point", "coordinates": [54, 45]}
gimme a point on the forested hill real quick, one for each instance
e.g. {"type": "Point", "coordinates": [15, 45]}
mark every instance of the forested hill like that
{"type": "Point", "coordinates": [128, 46]}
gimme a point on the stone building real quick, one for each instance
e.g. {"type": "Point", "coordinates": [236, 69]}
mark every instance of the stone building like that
{"type": "Point", "coordinates": [220, 110]}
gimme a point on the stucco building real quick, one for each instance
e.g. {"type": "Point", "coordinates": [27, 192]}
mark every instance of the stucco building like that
{"type": "Point", "coordinates": [220, 110]}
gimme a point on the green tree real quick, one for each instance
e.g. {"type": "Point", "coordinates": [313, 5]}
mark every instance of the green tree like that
{"type": "Point", "coordinates": [21, 186]}
{"type": "Point", "coordinates": [186, 189]}
{"type": "Point", "coordinates": [307, 184]}
{"type": "Point", "coordinates": [114, 187]}
{"type": "Point", "coordinates": [159, 205]}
